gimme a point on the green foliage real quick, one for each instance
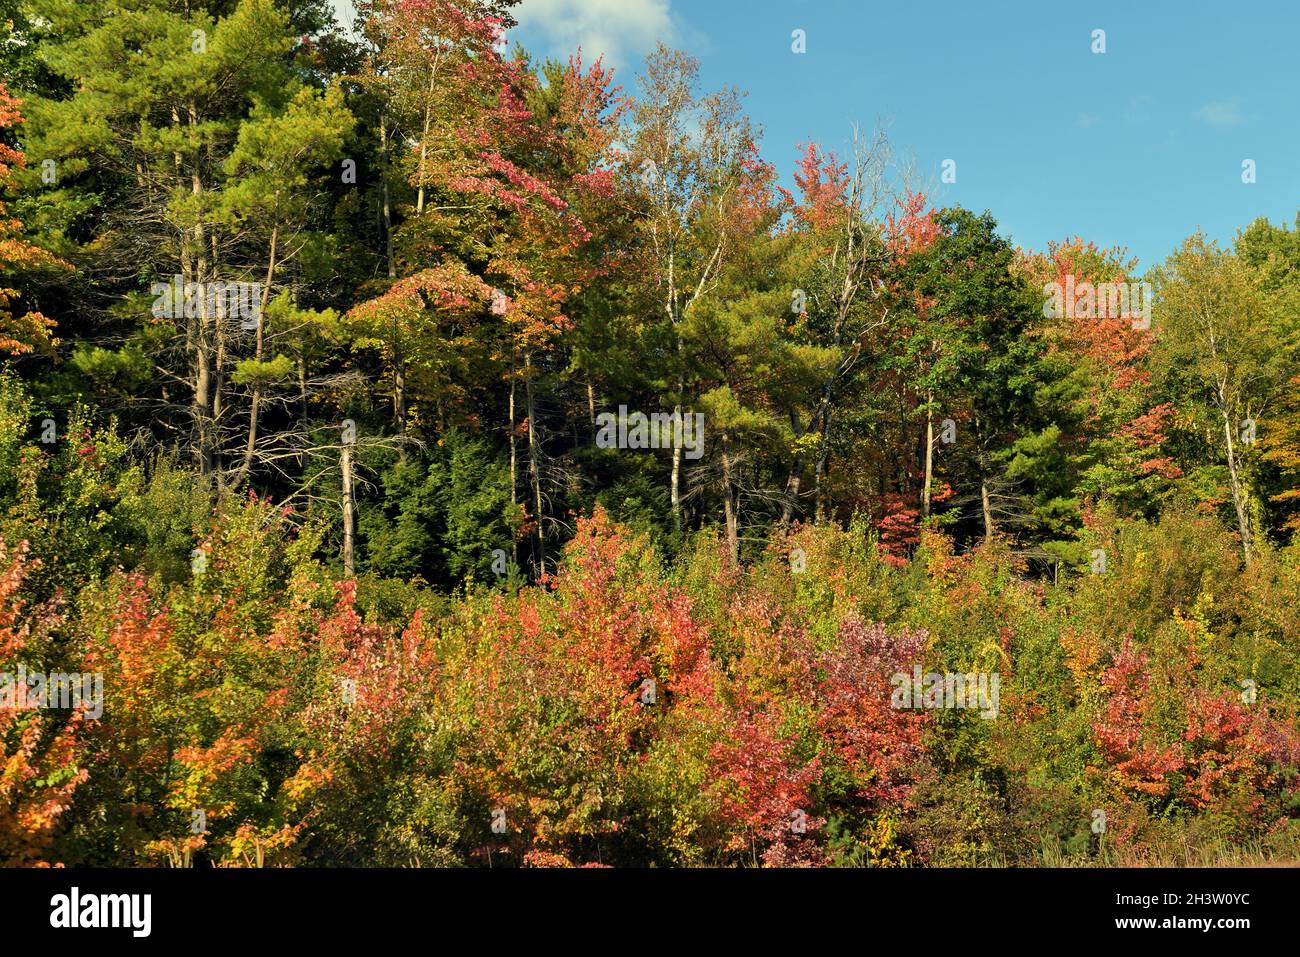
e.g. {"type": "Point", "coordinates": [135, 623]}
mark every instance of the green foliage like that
{"type": "Point", "coordinates": [360, 575]}
{"type": "Point", "coordinates": [440, 517]}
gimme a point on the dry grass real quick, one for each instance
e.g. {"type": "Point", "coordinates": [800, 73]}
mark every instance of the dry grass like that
{"type": "Point", "coordinates": [1217, 854]}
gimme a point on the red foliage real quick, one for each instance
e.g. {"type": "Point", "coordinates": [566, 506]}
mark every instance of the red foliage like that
{"type": "Point", "coordinates": [1149, 432]}
{"type": "Point", "coordinates": [899, 528]}
{"type": "Point", "coordinates": [876, 741]}
{"type": "Point", "coordinates": [1121, 731]}
{"type": "Point", "coordinates": [1234, 751]}
{"type": "Point", "coordinates": [30, 330]}
{"type": "Point", "coordinates": [760, 787]}
{"type": "Point", "coordinates": [911, 229]}
{"type": "Point", "coordinates": [42, 755]}
{"type": "Point", "coordinates": [1111, 341]}
{"type": "Point", "coordinates": [823, 184]}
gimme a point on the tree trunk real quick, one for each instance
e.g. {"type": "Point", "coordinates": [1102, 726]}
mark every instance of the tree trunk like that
{"type": "Point", "coordinates": [514, 459]}
{"type": "Point", "coordinates": [730, 505]}
{"type": "Point", "coordinates": [988, 511]}
{"type": "Point", "coordinates": [204, 322]}
{"type": "Point", "coordinates": [534, 469]}
{"type": "Point", "coordinates": [1239, 499]}
{"type": "Point", "coordinates": [195, 335]}
{"type": "Point", "coordinates": [792, 484]}
{"type": "Point", "coordinates": [823, 458]}
{"type": "Point", "coordinates": [202, 399]}
{"type": "Point", "coordinates": [675, 478]}
{"type": "Point", "coordinates": [399, 395]}
{"type": "Point", "coordinates": [794, 479]}
{"type": "Point", "coordinates": [388, 214]}
{"type": "Point", "coordinates": [250, 446]}
{"type": "Point", "coordinates": [203, 357]}
{"type": "Point", "coordinates": [424, 137]}
{"type": "Point", "coordinates": [349, 570]}
{"type": "Point", "coordinates": [929, 456]}
{"type": "Point", "coordinates": [219, 367]}
{"type": "Point", "coordinates": [514, 454]}
{"type": "Point", "coordinates": [399, 371]}
{"type": "Point", "coordinates": [302, 383]}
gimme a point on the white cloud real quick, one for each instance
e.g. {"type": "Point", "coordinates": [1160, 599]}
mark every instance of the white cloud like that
{"type": "Point", "coordinates": [1221, 113]}
{"type": "Point", "coordinates": [620, 30]}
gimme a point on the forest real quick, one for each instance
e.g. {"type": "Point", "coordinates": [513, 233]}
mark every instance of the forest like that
{"type": "Point", "coordinates": [417, 453]}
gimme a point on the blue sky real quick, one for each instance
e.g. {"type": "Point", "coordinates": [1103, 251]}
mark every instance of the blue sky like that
{"type": "Point", "coordinates": [1134, 147]}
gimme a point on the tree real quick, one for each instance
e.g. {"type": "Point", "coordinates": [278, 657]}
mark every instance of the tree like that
{"type": "Point", "coordinates": [840, 213]}
{"type": "Point", "coordinates": [1108, 438]}
{"type": "Point", "coordinates": [155, 105]}
{"type": "Point", "coordinates": [745, 362]}
{"type": "Point", "coordinates": [1217, 345]}
{"type": "Point", "coordinates": [42, 754]}
{"type": "Point", "coordinates": [688, 162]}
{"type": "Point", "coordinates": [982, 313]}
{"type": "Point", "coordinates": [28, 330]}
{"type": "Point", "coordinates": [271, 167]}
